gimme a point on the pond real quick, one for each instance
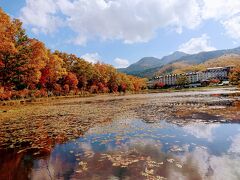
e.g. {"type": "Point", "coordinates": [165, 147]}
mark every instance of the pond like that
{"type": "Point", "coordinates": [135, 149]}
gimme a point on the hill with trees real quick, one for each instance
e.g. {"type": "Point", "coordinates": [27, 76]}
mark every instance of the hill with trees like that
{"type": "Point", "coordinates": [184, 67]}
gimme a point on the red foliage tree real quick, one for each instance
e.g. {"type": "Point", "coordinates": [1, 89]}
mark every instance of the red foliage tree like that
{"type": "Point", "coordinates": [71, 80]}
{"type": "Point", "coordinates": [158, 85]}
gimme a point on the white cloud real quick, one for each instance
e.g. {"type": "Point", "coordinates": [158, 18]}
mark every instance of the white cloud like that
{"type": "Point", "coordinates": [121, 63]}
{"type": "Point", "coordinates": [91, 57]}
{"type": "Point", "coordinates": [196, 45]}
{"type": "Point", "coordinates": [41, 16]}
{"type": "Point", "coordinates": [227, 12]}
{"type": "Point", "coordinates": [220, 9]}
{"type": "Point", "coordinates": [129, 21]}
{"type": "Point", "coordinates": [232, 27]}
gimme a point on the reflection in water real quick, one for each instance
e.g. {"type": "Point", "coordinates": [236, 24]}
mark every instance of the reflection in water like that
{"type": "Point", "coordinates": [133, 149]}
{"type": "Point", "coordinates": [201, 130]}
{"type": "Point", "coordinates": [235, 146]}
{"type": "Point", "coordinates": [11, 166]}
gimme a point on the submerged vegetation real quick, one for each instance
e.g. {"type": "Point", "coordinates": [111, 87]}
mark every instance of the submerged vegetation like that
{"type": "Point", "coordinates": [140, 135]}
{"type": "Point", "coordinates": [29, 69]}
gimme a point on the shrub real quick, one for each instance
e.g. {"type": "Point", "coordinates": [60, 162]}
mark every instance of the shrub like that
{"type": "Point", "coordinates": [66, 89]}
{"type": "Point", "coordinates": [25, 93]}
{"type": "Point", "coordinates": [43, 93]}
{"type": "Point", "coordinates": [5, 95]}
{"type": "Point", "coordinates": [57, 89]}
{"type": "Point", "coordinates": [158, 85]}
{"type": "Point", "coordinates": [105, 90]}
{"type": "Point", "coordinates": [214, 81]}
{"type": "Point", "coordinates": [93, 89]}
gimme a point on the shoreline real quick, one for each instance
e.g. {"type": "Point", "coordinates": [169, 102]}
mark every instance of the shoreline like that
{"type": "Point", "coordinates": [24, 101]}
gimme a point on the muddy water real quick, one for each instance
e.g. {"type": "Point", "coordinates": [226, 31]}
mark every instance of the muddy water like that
{"type": "Point", "coordinates": [134, 149]}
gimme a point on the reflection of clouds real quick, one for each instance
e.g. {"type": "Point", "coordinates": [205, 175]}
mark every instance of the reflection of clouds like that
{"type": "Point", "coordinates": [135, 143]}
{"type": "Point", "coordinates": [50, 168]}
{"type": "Point", "coordinates": [201, 130]}
{"type": "Point", "coordinates": [214, 167]}
{"type": "Point", "coordinates": [123, 127]}
{"type": "Point", "coordinates": [174, 175]}
{"type": "Point", "coordinates": [198, 158]}
{"type": "Point", "coordinates": [226, 167]}
{"type": "Point", "coordinates": [147, 144]}
{"type": "Point", "coordinates": [198, 164]}
{"type": "Point", "coordinates": [85, 146]}
{"type": "Point", "coordinates": [57, 166]}
{"type": "Point", "coordinates": [235, 146]}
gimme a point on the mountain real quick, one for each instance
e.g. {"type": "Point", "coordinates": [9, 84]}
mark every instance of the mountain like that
{"type": "Point", "coordinates": [143, 64]}
{"type": "Point", "coordinates": [149, 66]}
{"type": "Point", "coordinates": [224, 60]}
{"type": "Point", "coordinates": [173, 56]}
{"type": "Point", "coordinates": [204, 56]}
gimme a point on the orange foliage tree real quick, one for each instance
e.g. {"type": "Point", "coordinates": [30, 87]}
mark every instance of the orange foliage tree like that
{"type": "Point", "coordinates": [27, 67]}
{"type": "Point", "coordinates": [7, 49]}
{"type": "Point", "coordinates": [234, 76]}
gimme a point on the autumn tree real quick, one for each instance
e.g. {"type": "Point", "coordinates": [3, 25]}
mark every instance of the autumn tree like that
{"type": "Point", "coordinates": [234, 76]}
{"type": "Point", "coordinates": [69, 59]}
{"type": "Point", "coordinates": [125, 83]}
{"type": "Point", "coordinates": [22, 60]}
{"type": "Point", "coordinates": [114, 79]}
{"type": "Point", "coordinates": [27, 66]}
{"type": "Point", "coordinates": [52, 72]}
{"type": "Point", "coordinates": [215, 81]}
{"type": "Point", "coordinates": [7, 49]}
{"type": "Point", "coordinates": [158, 85]}
{"type": "Point", "coordinates": [84, 71]}
{"type": "Point", "coordinates": [182, 80]}
{"type": "Point", "coordinates": [71, 80]}
{"type": "Point", "coordinates": [31, 58]}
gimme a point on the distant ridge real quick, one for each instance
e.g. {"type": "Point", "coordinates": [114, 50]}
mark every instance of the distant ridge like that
{"type": "Point", "coordinates": [149, 66]}
{"type": "Point", "coordinates": [204, 56]}
{"type": "Point", "coordinates": [149, 63]}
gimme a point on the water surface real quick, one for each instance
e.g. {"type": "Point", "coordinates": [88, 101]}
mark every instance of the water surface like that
{"type": "Point", "coordinates": [134, 149]}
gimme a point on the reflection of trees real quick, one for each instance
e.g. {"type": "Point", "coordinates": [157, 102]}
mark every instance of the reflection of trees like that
{"type": "Point", "coordinates": [13, 166]}
{"type": "Point", "coordinates": [53, 167]}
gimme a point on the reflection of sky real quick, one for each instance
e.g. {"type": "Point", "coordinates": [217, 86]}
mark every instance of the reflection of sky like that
{"type": "Point", "coordinates": [210, 148]}
{"type": "Point", "coordinates": [216, 137]}
{"type": "Point", "coordinates": [235, 146]}
{"type": "Point", "coordinates": [201, 130]}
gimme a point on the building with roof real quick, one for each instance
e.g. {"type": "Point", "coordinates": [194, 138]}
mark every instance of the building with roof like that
{"type": "Point", "coordinates": [220, 73]}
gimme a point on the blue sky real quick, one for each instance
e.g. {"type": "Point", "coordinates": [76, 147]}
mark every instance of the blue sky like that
{"type": "Point", "coordinates": [121, 32]}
